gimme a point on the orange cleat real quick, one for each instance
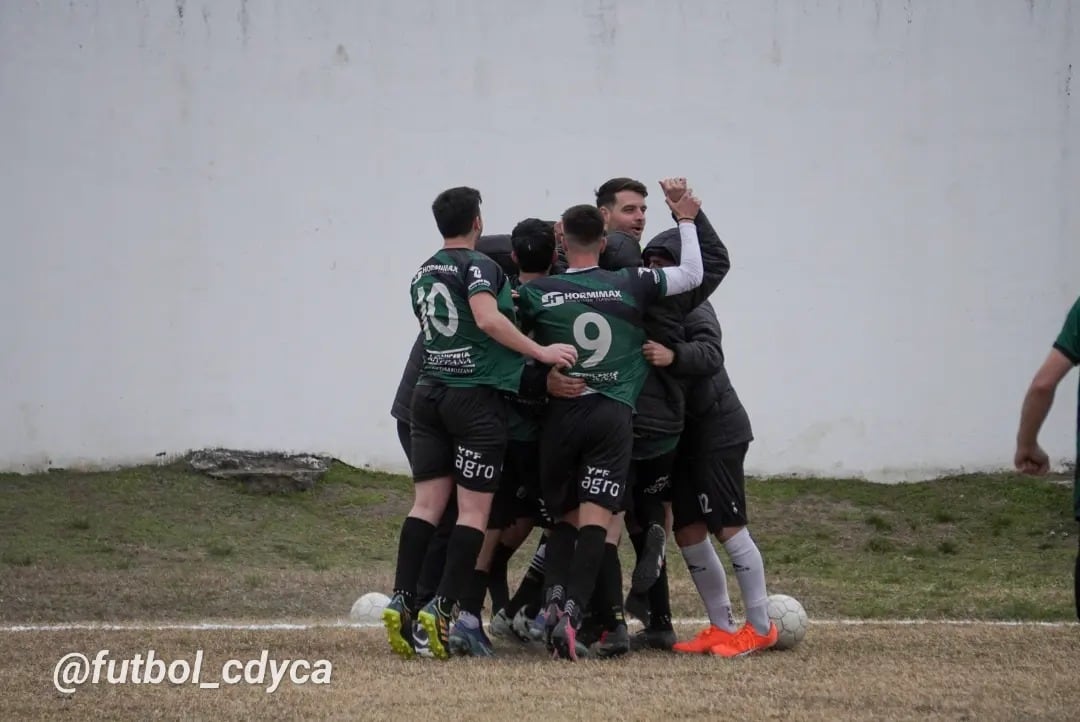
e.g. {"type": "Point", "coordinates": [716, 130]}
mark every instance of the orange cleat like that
{"type": "Point", "coordinates": [746, 641]}
{"type": "Point", "coordinates": [705, 640]}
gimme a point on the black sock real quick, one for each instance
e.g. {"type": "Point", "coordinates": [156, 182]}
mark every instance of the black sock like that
{"type": "Point", "coordinates": [458, 576]}
{"type": "Point", "coordinates": [431, 570]}
{"type": "Point", "coordinates": [557, 559]}
{"type": "Point", "coordinates": [530, 592]}
{"type": "Point", "coordinates": [611, 582]}
{"type": "Point", "coordinates": [498, 586]}
{"type": "Point", "coordinates": [472, 600]}
{"type": "Point", "coordinates": [585, 568]}
{"type": "Point", "coordinates": [660, 602]}
{"type": "Point", "coordinates": [412, 546]}
{"type": "Point", "coordinates": [598, 606]}
{"type": "Point", "coordinates": [637, 540]}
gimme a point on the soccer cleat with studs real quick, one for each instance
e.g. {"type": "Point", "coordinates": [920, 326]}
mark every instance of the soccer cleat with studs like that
{"type": "Point", "coordinates": [399, 627]}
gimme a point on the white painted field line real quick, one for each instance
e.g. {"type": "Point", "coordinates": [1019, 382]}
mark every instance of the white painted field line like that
{"type": "Point", "coordinates": [302, 626]}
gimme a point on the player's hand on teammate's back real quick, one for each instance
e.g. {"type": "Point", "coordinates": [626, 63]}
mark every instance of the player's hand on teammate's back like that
{"type": "Point", "coordinates": [687, 206]}
{"type": "Point", "coordinates": [673, 188]}
{"type": "Point", "coordinates": [562, 386]}
{"type": "Point", "coordinates": [658, 354]}
{"type": "Point", "coordinates": [559, 355]}
{"type": "Point", "coordinates": [1031, 460]}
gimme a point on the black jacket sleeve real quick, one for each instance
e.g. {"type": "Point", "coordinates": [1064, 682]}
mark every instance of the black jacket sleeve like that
{"type": "Point", "coordinates": [702, 353]}
{"type": "Point", "coordinates": [534, 381]}
{"type": "Point", "coordinates": [714, 260]}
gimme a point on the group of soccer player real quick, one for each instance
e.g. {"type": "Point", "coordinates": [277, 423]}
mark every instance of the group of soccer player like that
{"type": "Point", "coordinates": [566, 378]}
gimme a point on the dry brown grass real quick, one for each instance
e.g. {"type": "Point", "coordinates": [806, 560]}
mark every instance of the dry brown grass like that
{"type": "Point", "coordinates": [865, 672]}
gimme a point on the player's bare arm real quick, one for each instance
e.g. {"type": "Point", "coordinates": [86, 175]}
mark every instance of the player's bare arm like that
{"type": "Point", "coordinates": [492, 322]}
{"type": "Point", "coordinates": [1030, 457]}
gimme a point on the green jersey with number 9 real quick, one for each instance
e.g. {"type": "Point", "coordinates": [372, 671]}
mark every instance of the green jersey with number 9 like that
{"type": "Point", "coordinates": [456, 352]}
{"type": "Point", "coordinates": [600, 312]}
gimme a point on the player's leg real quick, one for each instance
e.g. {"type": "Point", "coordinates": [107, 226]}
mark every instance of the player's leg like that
{"type": "Point", "coordinates": [435, 559]}
{"type": "Point", "coordinates": [607, 602]}
{"type": "Point", "coordinates": [503, 512]}
{"type": "Point", "coordinates": [559, 454]}
{"type": "Point", "coordinates": [524, 606]}
{"type": "Point", "coordinates": [694, 508]}
{"type": "Point", "coordinates": [478, 418]}
{"type": "Point", "coordinates": [653, 486]}
{"type": "Point", "coordinates": [759, 632]}
{"type": "Point", "coordinates": [432, 464]}
{"type": "Point", "coordinates": [601, 485]}
{"type": "Point", "coordinates": [520, 479]}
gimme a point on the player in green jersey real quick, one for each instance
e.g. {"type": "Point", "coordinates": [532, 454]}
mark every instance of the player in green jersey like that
{"type": "Point", "coordinates": [1030, 458]}
{"type": "Point", "coordinates": [516, 506]}
{"type": "Point", "coordinates": [586, 441]}
{"type": "Point", "coordinates": [472, 357]}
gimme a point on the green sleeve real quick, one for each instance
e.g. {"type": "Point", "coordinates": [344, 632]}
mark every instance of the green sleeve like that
{"type": "Point", "coordinates": [1068, 341]}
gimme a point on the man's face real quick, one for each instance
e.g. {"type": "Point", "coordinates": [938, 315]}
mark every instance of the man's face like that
{"type": "Point", "coordinates": [658, 260]}
{"type": "Point", "coordinates": [626, 214]}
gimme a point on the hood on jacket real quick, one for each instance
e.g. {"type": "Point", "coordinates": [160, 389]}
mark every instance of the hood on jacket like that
{"type": "Point", "coordinates": [621, 251]}
{"type": "Point", "coordinates": [668, 243]}
{"type": "Point", "coordinates": [498, 248]}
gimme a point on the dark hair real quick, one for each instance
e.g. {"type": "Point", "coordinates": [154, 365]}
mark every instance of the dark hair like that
{"type": "Point", "coordinates": [605, 194]}
{"type": "Point", "coordinates": [583, 225]}
{"type": "Point", "coordinates": [533, 241]}
{"type": "Point", "coordinates": [455, 210]}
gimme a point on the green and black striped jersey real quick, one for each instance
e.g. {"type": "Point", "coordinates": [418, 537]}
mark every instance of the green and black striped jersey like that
{"type": "Point", "coordinates": [600, 312]}
{"type": "Point", "coordinates": [456, 351]}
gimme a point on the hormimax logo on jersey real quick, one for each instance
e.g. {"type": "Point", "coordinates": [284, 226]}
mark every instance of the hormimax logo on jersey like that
{"type": "Point", "coordinates": [434, 268]}
{"type": "Point", "coordinates": [558, 298]}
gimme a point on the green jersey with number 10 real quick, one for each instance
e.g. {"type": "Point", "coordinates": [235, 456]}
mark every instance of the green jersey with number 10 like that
{"type": "Point", "coordinates": [456, 351]}
{"type": "Point", "coordinates": [600, 312]}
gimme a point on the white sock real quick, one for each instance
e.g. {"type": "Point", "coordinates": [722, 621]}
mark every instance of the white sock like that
{"type": "Point", "coordinates": [711, 582]}
{"type": "Point", "coordinates": [750, 573]}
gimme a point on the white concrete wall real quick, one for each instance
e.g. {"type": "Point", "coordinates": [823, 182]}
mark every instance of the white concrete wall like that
{"type": "Point", "coordinates": [210, 209]}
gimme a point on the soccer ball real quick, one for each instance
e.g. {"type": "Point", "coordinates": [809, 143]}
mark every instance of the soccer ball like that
{"type": "Point", "coordinates": [369, 607]}
{"type": "Point", "coordinates": [790, 619]}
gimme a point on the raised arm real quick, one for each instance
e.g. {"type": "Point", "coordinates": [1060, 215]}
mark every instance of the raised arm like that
{"type": "Point", "coordinates": [688, 274]}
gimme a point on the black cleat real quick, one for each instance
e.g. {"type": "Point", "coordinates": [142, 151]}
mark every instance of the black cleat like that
{"type": "Point", "coordinates": [613, 643]}
{"type": "Point", "coordinates": [662, 639]}
{"type": "Point", "coordinates": [651, 562]}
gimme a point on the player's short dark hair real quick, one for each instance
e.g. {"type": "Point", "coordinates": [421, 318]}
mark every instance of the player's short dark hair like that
{"type": "Point", "coordinates": [583, 225]}
{"type": "Point", "coordinates": [605, 194]}
{"type": "Point", "coordinates": [533, 241]}
{"type": "Point", "coordinates": [455, 209]}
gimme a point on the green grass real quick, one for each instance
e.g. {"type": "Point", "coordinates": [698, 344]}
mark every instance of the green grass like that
{"type": "Point", "coordinates": [165, 542]}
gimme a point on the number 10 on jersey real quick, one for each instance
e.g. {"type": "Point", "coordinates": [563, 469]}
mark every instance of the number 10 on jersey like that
{"type": "Point", "coordinates": [426, 304]}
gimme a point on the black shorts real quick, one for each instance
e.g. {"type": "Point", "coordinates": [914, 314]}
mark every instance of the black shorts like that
{"type": "Point", "coordinates": [519, 496]}
{"type": "Point", "coordinates": [710, 487]}
{"type": "Point", "coordinates": [585, 446]}
{"type": "Point", "coordinates": [404, 436]}
{"type": "Point", "coordinates": [650, 480]}
{"type": "Point", "coordinates": [461, 433]}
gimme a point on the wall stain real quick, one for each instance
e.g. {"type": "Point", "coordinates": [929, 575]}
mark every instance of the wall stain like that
{"type": "Point", "coordinates": [341, 55]}
{"type": "Point", "coordinates": [604, 21]}
{"type": "Point", "coordinates": [244, 19]}
{"type": "Point", "coordinates": [180, 10]}
{"type": "Point", "coordinates": [206, 18]}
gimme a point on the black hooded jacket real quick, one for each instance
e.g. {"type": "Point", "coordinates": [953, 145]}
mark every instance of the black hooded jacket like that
{"type": "Point", "coordinates": [711, 400]}
{"type": "Point", "coordinates": [661, 406]}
